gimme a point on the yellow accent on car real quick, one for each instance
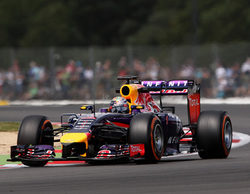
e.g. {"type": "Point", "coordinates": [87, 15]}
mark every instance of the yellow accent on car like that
{"type": "Point", "coordinates": [84, 155]}
{"type": "Point", "coordinates": [75, 138]}
{"type": "Point", "coordinates": [129, 92]}
{"type": "Point", "coordinates": [83, 108]}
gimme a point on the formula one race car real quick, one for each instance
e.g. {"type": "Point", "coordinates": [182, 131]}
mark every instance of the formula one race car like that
{"type": "Point", "coordinates": [133, 127]}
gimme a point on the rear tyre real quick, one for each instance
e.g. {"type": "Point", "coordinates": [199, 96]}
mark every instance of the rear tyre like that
{"type": "Point", "coordinates": [146, 129]}
{"type": "Point", "coordinates": [214, 134]}
{"type": "Point", "coordinates": [35, 130]}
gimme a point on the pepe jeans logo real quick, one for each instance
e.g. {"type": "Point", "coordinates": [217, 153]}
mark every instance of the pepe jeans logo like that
{"type": "Point", "coordinates": [135, 148]}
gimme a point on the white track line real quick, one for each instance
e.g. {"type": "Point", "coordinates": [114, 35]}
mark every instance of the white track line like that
{"type": "Point", "coordinates": [244, 139]}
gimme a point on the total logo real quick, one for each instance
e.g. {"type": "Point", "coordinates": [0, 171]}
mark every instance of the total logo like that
{"type": "Point", "coordinates": [173, 139]}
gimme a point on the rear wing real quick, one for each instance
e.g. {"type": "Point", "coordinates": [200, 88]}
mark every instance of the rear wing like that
{"type": "Point", "coordinates": [161, 88]}
{"type": "Point", "coordinates": [172, 87]}
{"type": "Point", "coordinates": [178, 87]}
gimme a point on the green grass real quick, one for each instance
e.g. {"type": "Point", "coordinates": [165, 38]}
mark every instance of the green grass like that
{"type": "Point", "coordinates": [3, 159]}
{"type": "Point", "coordinates": [9, 126]}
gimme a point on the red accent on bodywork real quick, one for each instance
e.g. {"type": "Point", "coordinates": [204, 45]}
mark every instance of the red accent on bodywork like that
{"type": "Point", "coordinates": [149, 103]}
{"type": "Point", "coordinates": [119, 124]}
{"type": "Point", "coordinates": [88, 135]}
{"type": "Point", "coordinates": [136, 150]}
{"type": "Point", "coordinates": [67, 162]}
{"type": "Point", "coordinates": [194, 107]}
{"type": "Point", "coordinates": [186, 139]}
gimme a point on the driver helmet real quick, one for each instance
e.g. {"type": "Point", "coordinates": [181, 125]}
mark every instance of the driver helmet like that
{"type": "Point", "coordinates": [119, 105]}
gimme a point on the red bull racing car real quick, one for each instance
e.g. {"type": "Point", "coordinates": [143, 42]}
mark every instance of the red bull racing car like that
{"type": "Point", "coordinates": [133, 127]}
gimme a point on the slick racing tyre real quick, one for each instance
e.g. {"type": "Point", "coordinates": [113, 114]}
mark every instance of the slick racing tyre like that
{"type": "Point", "coordinates": [146, 128]}
{"type": "Point", "coordinates": [214, 134]}
{"type": "Point", "coordinates": [35, 130]}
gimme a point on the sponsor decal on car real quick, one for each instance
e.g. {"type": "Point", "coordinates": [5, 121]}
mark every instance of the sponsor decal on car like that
{"type": "Point", "coordinates": [137, 150]}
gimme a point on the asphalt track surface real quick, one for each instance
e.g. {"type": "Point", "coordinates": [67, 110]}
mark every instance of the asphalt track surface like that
{"type": "Point", "coordinates": [188, 174]}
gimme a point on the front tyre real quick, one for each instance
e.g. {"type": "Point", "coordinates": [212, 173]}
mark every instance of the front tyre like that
{"type": "Point", "coordinates": [214, 134]}
{"type": "Point", "coordinates": [146, 129]}
{"type": "Point", "coordinates": [35, 130]}
{"type": "Point", "coordinates": [35, 163]}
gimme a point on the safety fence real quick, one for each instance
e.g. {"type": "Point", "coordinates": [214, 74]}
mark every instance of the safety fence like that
{"type": "Point", "coordinates": [90, 72]}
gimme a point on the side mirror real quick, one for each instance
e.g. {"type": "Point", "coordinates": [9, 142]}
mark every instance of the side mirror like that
{"type": "Point", "coordinates": [88, 107]}
{"type": "Point", "coordinates": [137, 107]}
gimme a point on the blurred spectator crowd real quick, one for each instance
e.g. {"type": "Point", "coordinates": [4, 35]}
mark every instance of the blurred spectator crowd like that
{"type": "Point", "coordinates": [75, 80]}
